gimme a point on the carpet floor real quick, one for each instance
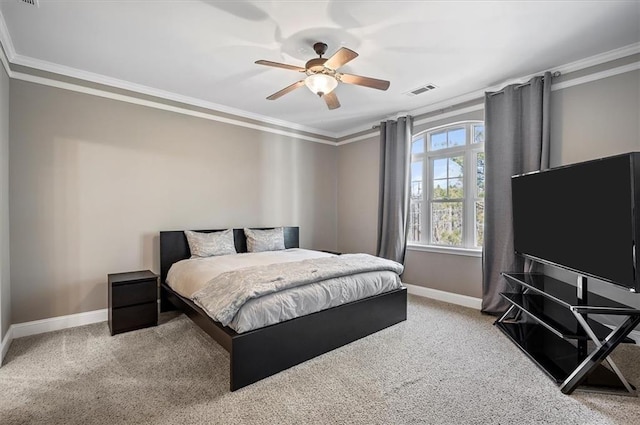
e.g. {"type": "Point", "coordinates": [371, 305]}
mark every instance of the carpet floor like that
{"type": "Point", "coordinates": [444, 365]}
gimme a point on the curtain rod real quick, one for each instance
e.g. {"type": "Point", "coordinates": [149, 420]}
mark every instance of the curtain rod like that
{"type": "Point", "coordinates": [554, 75]}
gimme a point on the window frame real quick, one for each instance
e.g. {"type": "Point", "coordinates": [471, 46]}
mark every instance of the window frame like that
{"type": "Point", "coordinates": [470, 153]}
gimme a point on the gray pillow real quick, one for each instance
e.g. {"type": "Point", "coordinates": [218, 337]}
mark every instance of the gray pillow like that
{"type": "Point", "coordinates": [264, 240]}
{"type": "Point", "coordinates": [210, 244]}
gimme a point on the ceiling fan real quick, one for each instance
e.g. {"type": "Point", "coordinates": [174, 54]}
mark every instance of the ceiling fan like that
{"type": "Point", "coordinates": [322, 76]}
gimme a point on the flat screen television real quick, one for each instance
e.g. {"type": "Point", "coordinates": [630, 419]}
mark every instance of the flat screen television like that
{"type": "Point", "coordinates": [582, 217]}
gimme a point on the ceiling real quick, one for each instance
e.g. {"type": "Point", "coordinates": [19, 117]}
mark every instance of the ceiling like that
{"type": "Point", "coordinates": [203, 52]}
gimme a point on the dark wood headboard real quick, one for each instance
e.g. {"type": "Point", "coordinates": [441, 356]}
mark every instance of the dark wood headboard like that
{"type": "Point", "coordinates": [174, 246]}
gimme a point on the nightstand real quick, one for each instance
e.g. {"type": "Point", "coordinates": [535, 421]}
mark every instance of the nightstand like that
{"type": "Point", "coordinates": [133, 301]}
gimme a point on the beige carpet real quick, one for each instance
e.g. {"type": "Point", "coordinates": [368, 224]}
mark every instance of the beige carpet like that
{"type": "Point", "coordinates": [445, 365]}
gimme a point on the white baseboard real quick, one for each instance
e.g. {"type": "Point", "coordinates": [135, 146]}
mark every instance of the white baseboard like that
{"type": "Point", "coordinates": [449, 297]}
{"type": "Point", "coordinates": [4, 345]}
{"type": "Point", "coordinates": [64, 322]}
{"type": "Point", "coordinates": [48, 325]}
{"type": "Point", "coordinates": [57, 323]}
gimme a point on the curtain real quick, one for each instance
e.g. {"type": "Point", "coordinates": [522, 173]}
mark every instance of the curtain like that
{"type": "Point", "coordinates": [393, 199]}
{"type": "Point", "coordinates": [517, 141]}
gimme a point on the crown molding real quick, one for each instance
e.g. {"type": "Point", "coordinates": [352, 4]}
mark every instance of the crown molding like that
{"type": "Point", "coordinates": [5, 62]}
{"type": "Point", "coordinates": [454, 113]}
{"type": "Point", "coordinates": [598, 59]}
{"type": "Point", "coordinates": [5, 39]}
{"type": "Point", "coordinates": [597, 76]}
{"type": "Point", "coordinates": [161, 94]}
{"type": "Point", "coordinates": [163, 106]}
{"type": "Point", "coordinates": [433, 107]}
{"type": "Point", "coordinates": [631, 49]}
{"type": "Point", "coordinates": [6, 48]}
{"type": "Point", "coordinates": [371, 133]}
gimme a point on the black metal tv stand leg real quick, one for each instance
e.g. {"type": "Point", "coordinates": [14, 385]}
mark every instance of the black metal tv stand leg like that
{"type": "Point", "coordinates": [582, 289]}
{"type": "Point", "coordinates": [603, 348]}
{"type": "Point", "coordinates": [601, 353]}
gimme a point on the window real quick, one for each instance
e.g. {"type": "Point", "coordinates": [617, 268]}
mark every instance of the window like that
{"type": "Point", "coordinates": [447, 186]}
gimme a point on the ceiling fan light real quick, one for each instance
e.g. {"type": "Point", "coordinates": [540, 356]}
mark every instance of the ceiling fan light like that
{"type": "Point", "coordinates": [321, 83]}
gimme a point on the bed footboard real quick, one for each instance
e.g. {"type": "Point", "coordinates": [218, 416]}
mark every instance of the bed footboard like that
{"type": "Point", "coordinates": [261, 353]}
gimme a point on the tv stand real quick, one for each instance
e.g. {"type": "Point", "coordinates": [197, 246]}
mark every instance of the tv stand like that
{"type": "Point", "coordinates": [549, 321]}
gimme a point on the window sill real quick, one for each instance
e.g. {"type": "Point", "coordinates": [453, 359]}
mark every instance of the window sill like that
{"type": "Point", "coordinates": [468, 252]}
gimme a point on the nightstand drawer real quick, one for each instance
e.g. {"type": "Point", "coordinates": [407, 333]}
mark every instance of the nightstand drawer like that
{"type": "Point", "coordinates": [133, 300]}
{"type": "Point", "coordinates": [134, 293]}
{"type": "Point", "coordinates": [134, 317]}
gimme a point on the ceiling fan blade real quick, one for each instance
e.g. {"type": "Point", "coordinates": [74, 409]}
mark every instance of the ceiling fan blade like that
{"type": "Point", "coordinates": [286, 90]}
{"type": "Point", "coordinates": [364, 81]}
{"type": "Point", "coordinates": [340, 58]}
{"type": "Point", "coordinates": [281, 65]}
{"type": "Point", "coordinates": [332, 100]}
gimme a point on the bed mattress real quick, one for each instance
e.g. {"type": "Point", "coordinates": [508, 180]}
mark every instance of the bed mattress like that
{"type": "Point", "coordinates": [188, 277]}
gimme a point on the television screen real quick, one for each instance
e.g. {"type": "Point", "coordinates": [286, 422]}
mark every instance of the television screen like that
{"type": "Point", "coordinates": [580, 217]}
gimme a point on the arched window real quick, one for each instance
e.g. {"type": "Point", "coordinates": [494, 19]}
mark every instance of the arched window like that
{"type": "Point", "coordinates": [447, 186]}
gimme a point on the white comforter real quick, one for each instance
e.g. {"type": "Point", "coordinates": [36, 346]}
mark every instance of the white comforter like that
{"type": "Point", "coordinates": [189, 276]}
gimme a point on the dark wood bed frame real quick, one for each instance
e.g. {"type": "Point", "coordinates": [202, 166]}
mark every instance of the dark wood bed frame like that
{"type": "Point", "coordinates": [263, 352]}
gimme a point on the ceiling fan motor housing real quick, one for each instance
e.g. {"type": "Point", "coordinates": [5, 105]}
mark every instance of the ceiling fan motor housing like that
{"type": "Point", "coordinates": [315, 65]}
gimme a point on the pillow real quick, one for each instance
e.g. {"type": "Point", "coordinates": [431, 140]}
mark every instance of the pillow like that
{"type": "Point", "coordinates": [210, 244]}
{"type": "Point", "coordinates": [264, 240]}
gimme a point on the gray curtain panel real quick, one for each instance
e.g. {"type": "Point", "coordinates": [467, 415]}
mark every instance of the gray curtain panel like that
{"type": "Point", "coordinates": [393, 200]}
{"type": "Point", "coordinates": [517, 141]}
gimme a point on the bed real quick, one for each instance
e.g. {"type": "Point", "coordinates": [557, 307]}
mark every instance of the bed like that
{"type": "Point", "coordinates": [259, 353]}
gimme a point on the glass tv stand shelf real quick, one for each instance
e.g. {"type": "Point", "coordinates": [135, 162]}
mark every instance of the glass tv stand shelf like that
{"type": "Point", "coordinates": [549, 321]}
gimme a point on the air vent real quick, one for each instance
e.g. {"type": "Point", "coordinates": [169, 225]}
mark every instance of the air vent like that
{"type": "Point", "coordinates": [29, 2]}
{"type": "Point", "coordinates": [420, 90]}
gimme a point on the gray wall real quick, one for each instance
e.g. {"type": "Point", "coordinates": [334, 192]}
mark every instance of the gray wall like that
{"type": "Point", "coordinates": [595, 120]}
{"type": "Point", "coordinates": [358, 176]}
{"type": "Point", "coordinates": [93, 181]}
{"type": "Point", "coordinates": [590, 120]}
{"type": "Point", "coordinates": [5, 283]}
